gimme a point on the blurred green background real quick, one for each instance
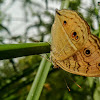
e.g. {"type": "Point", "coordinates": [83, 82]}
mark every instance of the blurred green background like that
{"type": "Point", "coordinates": [26, 21]}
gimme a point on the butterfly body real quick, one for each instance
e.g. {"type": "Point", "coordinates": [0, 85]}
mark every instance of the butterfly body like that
{"type": "Point", "coordinates": [74, 48]}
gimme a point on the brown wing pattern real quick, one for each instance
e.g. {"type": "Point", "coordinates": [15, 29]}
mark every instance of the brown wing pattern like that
{"type": "Point", "coordinates": [74, 48]}
{"type": "Point", "coordinates": [85, 62]}
{"type": "Point", "coordinates": [67, 23]}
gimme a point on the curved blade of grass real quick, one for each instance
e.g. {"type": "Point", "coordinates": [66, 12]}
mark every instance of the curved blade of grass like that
{"type": "Point", "coordinates": [39, 80]}
{"type": "Point", "coordinates": [8, 51]}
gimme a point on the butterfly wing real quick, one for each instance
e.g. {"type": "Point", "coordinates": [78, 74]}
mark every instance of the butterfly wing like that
{"type": "Point", "coordinates": [85, 62]}
{"type": "Point", "coordinates": [69, 34]}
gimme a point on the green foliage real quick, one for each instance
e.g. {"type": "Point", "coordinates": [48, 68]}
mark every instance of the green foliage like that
{"type": "Point", "coordinates": [17, 75]}
{"type": "Point", "coordinates": [57, 87]}
{"type": "Point", "coordinates": [74, 4]}
{"type": "Point", "coordinates": [19, 81]}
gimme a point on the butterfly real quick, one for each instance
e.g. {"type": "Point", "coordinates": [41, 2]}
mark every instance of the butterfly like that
{"type": "Point", "coordinates": [74, 48]}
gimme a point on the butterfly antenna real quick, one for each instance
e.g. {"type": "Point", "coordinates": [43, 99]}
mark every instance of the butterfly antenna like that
{"type": "Point", "coordinates": [74, 82]}
{"type": "Point", "coordinates": [67, 85]}
{"type": "Point", "coordinates": [46, 58]}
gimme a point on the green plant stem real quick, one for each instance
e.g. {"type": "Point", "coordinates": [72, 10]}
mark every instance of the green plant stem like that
{"type": "Point", "coordinates": [39, 80]}
{"type": "Point", "coordinates": [8, 51]}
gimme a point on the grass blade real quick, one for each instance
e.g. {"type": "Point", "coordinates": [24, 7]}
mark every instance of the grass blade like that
{"type": "Point", "coordinates": [39, 80]}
